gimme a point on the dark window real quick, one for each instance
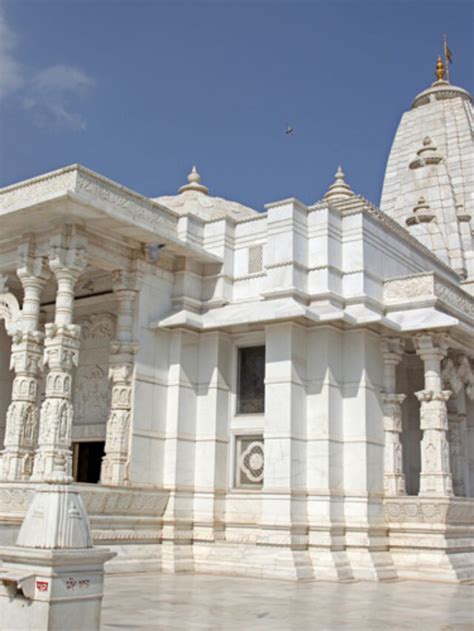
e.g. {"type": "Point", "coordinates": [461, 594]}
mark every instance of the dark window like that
{"type": "Point", "coordinates": [87, 460]}
{"type": "Point", "coordinates": [251, 387]}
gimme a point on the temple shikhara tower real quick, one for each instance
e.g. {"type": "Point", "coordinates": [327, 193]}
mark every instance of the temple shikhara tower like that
{"type": "Point", "coordinates": [287, 393]}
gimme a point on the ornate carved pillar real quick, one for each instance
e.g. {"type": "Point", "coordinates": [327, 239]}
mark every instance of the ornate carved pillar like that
{"type": "Point", "coordinates": [435, 476]}
{"type": "Point", "coordinates": [67, 260]}
{"type": "Point", "coordinates": [394, 479]}
{"type": "Point", "coordinates": [27, 362]}
{"type": "Point", "coordinates": [115, 462]}
{"type": "Point", "coordinates": [455, 375]}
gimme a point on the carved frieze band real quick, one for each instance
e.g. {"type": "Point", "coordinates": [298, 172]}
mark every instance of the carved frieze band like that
{"type": "Point", "coordinates": [400, 290]}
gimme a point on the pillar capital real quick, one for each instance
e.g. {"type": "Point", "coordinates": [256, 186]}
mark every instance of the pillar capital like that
{"type": "Point", "coordinates": [32, 268]}
{"type": "Point", "coordinates": [433, 395]}
{"type": "Point", "coordinates": [123, 280]}
{"type": "Point", "coordinates": [392, 349]}
{"type": "Point", "coordinates": [431, 345]}
{"type": "Point", "coordinates": [67, 253]}
{"type": "Point", "coordinates": [393, 399]}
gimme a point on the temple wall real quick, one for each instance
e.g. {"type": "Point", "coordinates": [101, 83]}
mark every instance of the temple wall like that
{"type": "Point", "coordinates": [150, 381]}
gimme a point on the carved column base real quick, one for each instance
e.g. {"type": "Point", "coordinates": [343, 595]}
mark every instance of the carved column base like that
{"type": "Point", "coordinates": [115, 470]}
{"type": "Point", "coordinates": [394, 484]}
{"type": "Point", "coordinates": [435, 484]}
{"type": "Point", "coordinates": [17, 457]}
{"type": "Point", "coordinates": [52, 460]}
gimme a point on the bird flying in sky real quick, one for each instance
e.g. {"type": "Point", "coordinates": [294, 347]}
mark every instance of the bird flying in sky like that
{"type": "Point", "coordinates": [289, 130]}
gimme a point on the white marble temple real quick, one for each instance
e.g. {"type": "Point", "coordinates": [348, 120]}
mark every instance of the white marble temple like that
{"type": "Point", "coordinates": [287, 393]}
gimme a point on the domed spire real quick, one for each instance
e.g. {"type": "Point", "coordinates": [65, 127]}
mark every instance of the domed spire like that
{"type": "Point", "coordinates": [339, 189]}
{"type": "Point", "coordinates": [194, 183]}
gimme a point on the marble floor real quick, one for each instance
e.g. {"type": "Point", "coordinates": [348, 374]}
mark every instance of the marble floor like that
{"type": "Point", "coordinates": [194, 602]}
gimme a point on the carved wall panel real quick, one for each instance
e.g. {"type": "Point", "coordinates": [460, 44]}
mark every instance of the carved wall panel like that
{"type": "Point", "coordinates": [92, 388]}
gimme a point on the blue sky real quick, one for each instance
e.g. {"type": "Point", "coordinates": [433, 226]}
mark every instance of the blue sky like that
{"type": "Point", "coordinates": [140, 90]}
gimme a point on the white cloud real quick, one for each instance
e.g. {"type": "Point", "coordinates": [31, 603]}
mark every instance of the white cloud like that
{"type": "Point", "coordinates": [11, 72]}
{"type": "Point", "coordinates": [50, 94]}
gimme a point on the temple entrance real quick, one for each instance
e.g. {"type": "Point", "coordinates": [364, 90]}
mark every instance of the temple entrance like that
{"type": "Point", "coordinates": [87, 461]}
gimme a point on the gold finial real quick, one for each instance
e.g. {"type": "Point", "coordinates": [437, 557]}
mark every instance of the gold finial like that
{"type": "Point", "coordinates": [439, 72]}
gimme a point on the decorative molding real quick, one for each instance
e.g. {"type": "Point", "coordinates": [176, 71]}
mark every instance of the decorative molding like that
{"type": "Point", "coordinates": [132, 206]}
{"type": "Point", "coordinates": [98, 500]}
{"type": "Point", "coordinates": [38, 189]}
{"type": "Point", "coordinates": [400, 289]}
{"type": "Point", "coordinates": [428, 286]}
{"type": "Point", "coordinates": [431, 511]}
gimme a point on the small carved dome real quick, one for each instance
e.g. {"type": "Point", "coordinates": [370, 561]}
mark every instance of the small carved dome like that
{"type": "Point", "coordinates": [194, 183]}
{"type": "Point", "coordinates": [339, 189]}
{"type": "Point", "coordinates": [194, 198]}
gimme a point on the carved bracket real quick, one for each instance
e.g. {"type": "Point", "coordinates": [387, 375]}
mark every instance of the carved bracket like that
{"type": "Point", "coordinates": [10, 311]}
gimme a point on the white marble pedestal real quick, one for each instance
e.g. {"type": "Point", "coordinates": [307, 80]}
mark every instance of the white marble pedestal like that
{"type": "Point", "coordinates": [51, 589]}
{"type": "Point", "coordinates": [52, 579]}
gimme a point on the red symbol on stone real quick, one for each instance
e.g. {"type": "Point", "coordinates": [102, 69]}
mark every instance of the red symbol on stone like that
{"type": "Point", "coordinates": [42, 586]}
{"type": "Point", "coordinates": [71, 583]}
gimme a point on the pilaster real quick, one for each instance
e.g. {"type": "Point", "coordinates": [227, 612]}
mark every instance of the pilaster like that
{"type": "Point", "coordinates": [284, 521]}
{"type": "Point", "coordinates": [435, 476]}
{"type": "Point", "coordinates": [116, 460]}
{"type": "Point", "coordinates": [212, 436]}
{"type": "Point", "coordinates": [27, 362]}
{"type": "Point", "coordinates": [67, 259]}
{"type": "Point", "coordinates": [394, 479]}
{"type": "Point", "coordinates": [180, 452]}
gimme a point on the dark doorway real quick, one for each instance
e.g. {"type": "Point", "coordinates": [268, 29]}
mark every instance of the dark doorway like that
{"type": "Point", "coordinates": [87, 460]}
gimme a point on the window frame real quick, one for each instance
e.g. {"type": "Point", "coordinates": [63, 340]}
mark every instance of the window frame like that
{"type": "Point", "coordinates": [237, 365]}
